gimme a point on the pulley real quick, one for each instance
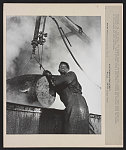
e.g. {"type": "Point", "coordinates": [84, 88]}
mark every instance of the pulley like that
{"type": "Point", "coordinates": [34, 42]}
{"type": "Point", "coordinates": [39, 36]}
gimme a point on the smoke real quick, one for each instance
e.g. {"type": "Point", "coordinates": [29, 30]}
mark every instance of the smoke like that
{"type": "Point", "coordinates": [20, 34]}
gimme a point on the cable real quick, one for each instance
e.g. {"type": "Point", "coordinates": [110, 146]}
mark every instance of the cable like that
{"type": "Point", "coordinates": [61, 33]}
{"type": "Point", "coordinates": [38, 53]}
{"type": "Point", "coordinates": [41, 55]}
{"type": "Point", "coordinates": [39, 63]}
{"type": "Point", "coordinates": [66, 43]}
{"type": "Point", "coordinates": [62, 36]}
{"type": "Point", "coordinates": [65, 36]}
{"type": "Point", "coordinates": [91, 80]}
{"type": "Point", "coordinates": [25, 65]}
{"type": "Point", "coordinates": [43, 28]}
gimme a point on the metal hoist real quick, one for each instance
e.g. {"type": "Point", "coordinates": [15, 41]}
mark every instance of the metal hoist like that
{"type": "Point", "coordinates": [39, 38]}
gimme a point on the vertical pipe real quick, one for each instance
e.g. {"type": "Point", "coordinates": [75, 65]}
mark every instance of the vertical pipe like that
{"type": "Point", "coordinates": [37, 25]}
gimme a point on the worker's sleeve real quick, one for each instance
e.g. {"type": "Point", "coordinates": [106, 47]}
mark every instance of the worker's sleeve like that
{"type": "Point", "coordinates": [64, 79]}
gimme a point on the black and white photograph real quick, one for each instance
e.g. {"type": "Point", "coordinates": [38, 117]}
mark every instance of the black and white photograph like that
{"type": "Point", "coordinates": [53, 74]}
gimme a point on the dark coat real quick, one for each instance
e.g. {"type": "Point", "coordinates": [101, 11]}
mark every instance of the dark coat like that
{"type": "Point", "coordinates": [76, 112]}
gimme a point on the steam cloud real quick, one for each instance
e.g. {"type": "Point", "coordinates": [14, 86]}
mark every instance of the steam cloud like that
{"type": "Point", "coordinates": [20, 32]}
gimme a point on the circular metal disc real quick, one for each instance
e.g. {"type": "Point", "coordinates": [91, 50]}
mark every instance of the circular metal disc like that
{"type": "Point", "coordinates": [45, 94]}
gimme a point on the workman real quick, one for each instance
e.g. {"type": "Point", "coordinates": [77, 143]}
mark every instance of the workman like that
{"type": "Point", "coordinates": [70, 92]}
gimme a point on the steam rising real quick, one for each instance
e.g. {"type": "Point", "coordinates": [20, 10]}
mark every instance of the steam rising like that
{"type": "Point", "coordinates": [20, 34]}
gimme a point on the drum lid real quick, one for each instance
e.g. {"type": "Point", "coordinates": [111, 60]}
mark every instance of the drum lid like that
{"type": "Point", "coordinates": [45, 94]}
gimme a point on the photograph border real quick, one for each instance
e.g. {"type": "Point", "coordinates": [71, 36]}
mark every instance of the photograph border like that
{"type": "Point", "coordinates": [63, 2]}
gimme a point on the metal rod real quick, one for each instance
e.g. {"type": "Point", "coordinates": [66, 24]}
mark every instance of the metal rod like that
{"type": "Point", "coordinates": [37, 25]}
{"type": "Point", "coordinates": [44, 24]}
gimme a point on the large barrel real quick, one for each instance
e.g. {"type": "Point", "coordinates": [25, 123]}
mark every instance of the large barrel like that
{"type": "Point", "coordinates": [32, 89]}
{"type": "Point", "coordinates": [24, 119]}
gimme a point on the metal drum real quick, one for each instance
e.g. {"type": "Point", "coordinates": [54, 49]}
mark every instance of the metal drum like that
{"type": "Point", "coordinates": [31, 90]}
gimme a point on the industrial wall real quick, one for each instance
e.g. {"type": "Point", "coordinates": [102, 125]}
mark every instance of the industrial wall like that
{"type": "Point", "coordinates": [23, 119]}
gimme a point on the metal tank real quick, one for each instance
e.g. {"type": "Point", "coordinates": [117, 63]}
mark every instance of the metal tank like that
{"type": "Point", "coordinates": [27, 109]}
{"type": "Point", "coordinates": [24, 119]}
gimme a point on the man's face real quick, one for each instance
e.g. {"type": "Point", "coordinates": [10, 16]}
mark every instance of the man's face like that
{"type": "Point", "coordinates": [63, 69]}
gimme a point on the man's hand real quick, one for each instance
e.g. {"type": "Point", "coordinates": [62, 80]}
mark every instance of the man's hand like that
{"type": "Point", "coordinates": [47, 73]}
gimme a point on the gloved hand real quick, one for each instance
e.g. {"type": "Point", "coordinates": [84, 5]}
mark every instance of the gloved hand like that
{"type": "Point", "coordinates": [47, 73]}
